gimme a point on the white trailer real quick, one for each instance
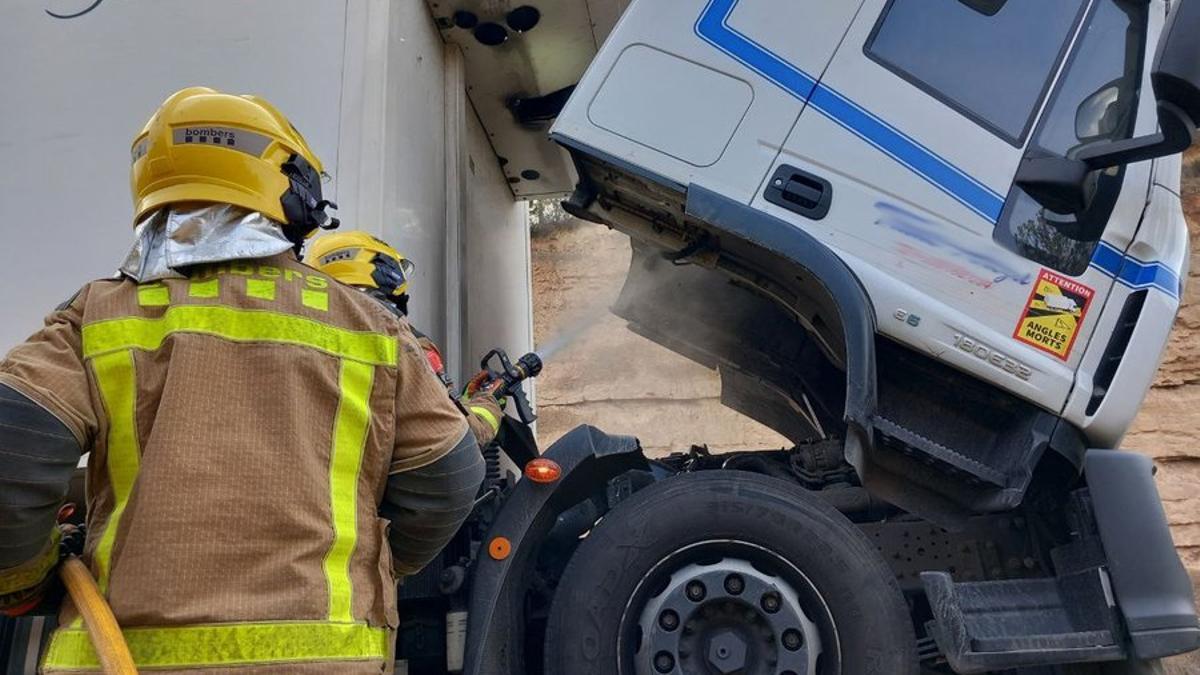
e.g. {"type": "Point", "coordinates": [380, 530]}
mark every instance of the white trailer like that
{"type": "Point", "coordinates": [371, 84]}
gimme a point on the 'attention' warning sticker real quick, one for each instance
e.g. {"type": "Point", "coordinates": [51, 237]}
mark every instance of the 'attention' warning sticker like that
{"type": "Point", "coordinates": [1053, 314]}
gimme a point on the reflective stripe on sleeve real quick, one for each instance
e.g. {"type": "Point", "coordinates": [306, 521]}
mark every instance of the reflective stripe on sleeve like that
{"type": "Point", "coordinates": [487, 416]}
{"type": "Point", "coordinates": [231, 644]}
{"type": "Point", "coordinates": [117, 382]}
{"type": "Point", "coordinates": [33, 572]}
{"type": "Point", "coordinates": [349, 440]}
{"type": "Point", "coordinates": [238, 325]}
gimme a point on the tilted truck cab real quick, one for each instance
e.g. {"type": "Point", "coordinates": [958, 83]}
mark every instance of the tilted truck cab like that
{"type": "Point", "coordinates": [892, 133]}
{"type": "Point", "coordinates": [947, 234]}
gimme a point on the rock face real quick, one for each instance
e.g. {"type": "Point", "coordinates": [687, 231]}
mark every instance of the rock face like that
{"type": "Point", "coordinates": [1168, 426]}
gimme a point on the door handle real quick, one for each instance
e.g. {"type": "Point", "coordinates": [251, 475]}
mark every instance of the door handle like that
{"type": "Point", "coordinates": [800, 192]}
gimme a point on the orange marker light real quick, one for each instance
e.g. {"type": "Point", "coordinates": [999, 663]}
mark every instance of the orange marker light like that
{"type": "Point", "coordinates": [542, 470]}
{"type": "Point", "coordinates": [499, 548]}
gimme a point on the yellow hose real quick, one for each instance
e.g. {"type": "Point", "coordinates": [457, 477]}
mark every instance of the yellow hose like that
{"type": "Point", "coordinates": [102, 627]}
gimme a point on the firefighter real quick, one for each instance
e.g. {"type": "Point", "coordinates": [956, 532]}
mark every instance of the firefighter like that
{"type": "Point", "coordinates": [253, 425]}
{"type": "Point", "coordinates": [361, 260]}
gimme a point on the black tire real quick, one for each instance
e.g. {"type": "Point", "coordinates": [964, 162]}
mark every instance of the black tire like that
{"type": "Point", "coordinates": [859, 612]}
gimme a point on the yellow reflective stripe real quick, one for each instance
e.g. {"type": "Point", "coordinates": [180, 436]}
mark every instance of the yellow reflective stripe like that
{"type": "Point", "coordinates": [205, 289]}
{"type": "Point", "coordinates": [116, 380]}
{"type": "Point", "coordinates": [349, 439]}
{"type": "Point", "coordinates": [315, 299]}
{"type": "Point", "coordinates": [154, 295]}
{"type": "Point", "coordinates": [239, 325]}
{"type": "Point", "coordinates": [226, 645]}
{"type": "Point", "coordinates": [263, 289]}
{"type": "Point", "coordinates": [487, 416]}
{"type": "Point", "coordinates": [29, 574]}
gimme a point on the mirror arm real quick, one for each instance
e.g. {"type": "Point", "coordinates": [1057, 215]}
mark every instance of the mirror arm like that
{"type": "Point", "coordinates": [1175, 136]}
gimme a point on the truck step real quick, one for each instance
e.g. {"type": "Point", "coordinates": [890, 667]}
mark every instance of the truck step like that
{"type": "Point", "coordinates": [899, 438]}
{"type": "Point", "coordinates": [995, 625]}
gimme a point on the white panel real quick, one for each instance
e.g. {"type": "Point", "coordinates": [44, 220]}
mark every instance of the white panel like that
{"type": "Point", "coordinates": [393, 143]}
{"type": "Point", "coordinates": [660, 113]}
{"type": "Point", "coordinates": [415, 147]}
{"type": "Point", "coordinates": [499, 311]}
{"type": "Point", "coordinates": [676, 28]}
{"type": "Point", "coordinates": [803, 34]}
{"type": "Point", "coordinates": [77, 90]}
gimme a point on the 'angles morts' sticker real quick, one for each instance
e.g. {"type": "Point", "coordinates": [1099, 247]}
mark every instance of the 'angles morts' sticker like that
{"type": "Point", "coordinates": [1053, 314]}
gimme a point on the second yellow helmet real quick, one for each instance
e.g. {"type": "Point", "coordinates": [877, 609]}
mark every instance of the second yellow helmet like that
{"type": "Point", "coordinates": [359, 259]}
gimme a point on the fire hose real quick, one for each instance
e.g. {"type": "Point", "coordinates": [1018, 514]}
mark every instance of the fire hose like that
{"type": "Point", "coordinates": [98, 618]}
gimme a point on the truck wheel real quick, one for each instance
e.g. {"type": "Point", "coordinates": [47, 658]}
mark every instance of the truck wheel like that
{"type": "Point", "coordinates": [728, 572]}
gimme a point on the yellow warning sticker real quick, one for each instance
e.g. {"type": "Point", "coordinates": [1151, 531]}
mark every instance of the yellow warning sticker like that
{"type": "Point", "coordinates": [1053, 314]}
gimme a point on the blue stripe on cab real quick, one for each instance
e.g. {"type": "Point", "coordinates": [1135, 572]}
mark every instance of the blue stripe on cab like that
{"type": "Point", "coordinates": [919, 160]}
{"type": "Point", "coordinates": [712, 28]}
{"type": "Point", "coordinates": [1134, 273]}
{"type": "Point", "coordinates": [1107, 259]}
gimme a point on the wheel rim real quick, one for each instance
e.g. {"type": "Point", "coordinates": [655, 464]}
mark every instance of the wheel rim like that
{"type": "Point", "coordinates": [726, 608]}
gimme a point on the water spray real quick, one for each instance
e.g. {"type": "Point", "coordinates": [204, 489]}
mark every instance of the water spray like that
{"type": "Point", "coordinates": [571, 333]}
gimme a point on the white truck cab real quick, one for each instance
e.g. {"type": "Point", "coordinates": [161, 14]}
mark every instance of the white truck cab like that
{"type": "Point", "coordinates": [893, 133]}
{"type": "Point", "coordinates": [948, 233]}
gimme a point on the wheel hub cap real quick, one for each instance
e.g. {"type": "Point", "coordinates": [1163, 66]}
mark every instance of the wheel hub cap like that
{"type": "Point", "coordinates": [726, 618]}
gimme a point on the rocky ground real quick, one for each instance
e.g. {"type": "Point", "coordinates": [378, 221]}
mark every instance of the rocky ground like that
{"type": "Point", "coordinates": [615, 379]}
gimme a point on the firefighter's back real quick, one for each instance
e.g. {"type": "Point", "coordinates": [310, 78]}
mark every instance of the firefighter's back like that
{"type": "Point", "coordinates": [237, 466]}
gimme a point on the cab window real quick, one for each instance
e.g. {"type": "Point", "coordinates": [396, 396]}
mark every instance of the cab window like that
{"type": "Point", "coordinates": [1096, 100]}
{"type": "Point", "coordinates": [990, 60]}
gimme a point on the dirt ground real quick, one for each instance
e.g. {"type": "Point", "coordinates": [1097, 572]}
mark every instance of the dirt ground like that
{"type": "Point", "coordinates": [613, 378]}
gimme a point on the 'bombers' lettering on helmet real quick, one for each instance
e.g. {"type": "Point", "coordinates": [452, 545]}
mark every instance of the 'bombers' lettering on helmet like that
{"type": "Point", "coordinates": [202, 145]}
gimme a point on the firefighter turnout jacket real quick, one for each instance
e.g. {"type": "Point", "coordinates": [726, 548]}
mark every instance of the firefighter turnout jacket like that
{"type": "Point", "coordinates": [252, 429]}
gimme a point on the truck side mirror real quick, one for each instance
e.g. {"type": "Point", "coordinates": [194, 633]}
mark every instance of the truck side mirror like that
{"type": "Point", "coordinates": [1060, 184]}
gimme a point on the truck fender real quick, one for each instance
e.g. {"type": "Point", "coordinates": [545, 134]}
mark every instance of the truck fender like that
{"type": "Point", "coordinates": [744, 227]}
{"type": "Point", "coordinates": [589, 458]}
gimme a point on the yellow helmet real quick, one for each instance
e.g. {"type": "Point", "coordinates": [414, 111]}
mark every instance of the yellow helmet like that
{"type": "Point", "coordinates": [205, 146]}
{"type": "Point", "coordinates": [359, 259]}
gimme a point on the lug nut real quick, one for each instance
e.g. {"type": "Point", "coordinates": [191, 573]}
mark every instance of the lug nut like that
{"type": "Point", "coordinates": [664, 662]}
{"type": "Point", "coordinates": [792, 639]}
{"type": "Point", "coordinates": [696, 591]}
{"type": "Point", "coordinates": [771, 602]}
{"type": "Point", "coordinates": [669, 620]}
{"type": "Point", "coordinates": [735, 584]}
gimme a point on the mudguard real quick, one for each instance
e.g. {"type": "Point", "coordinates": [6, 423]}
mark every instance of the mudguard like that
{"type": "Point", "coordinates": [495, 627]}
{"type": "Point", "coordinates": [1151, 586]}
